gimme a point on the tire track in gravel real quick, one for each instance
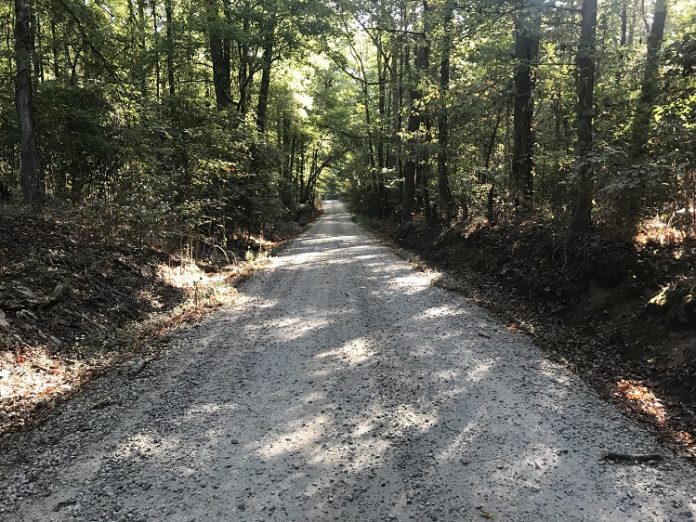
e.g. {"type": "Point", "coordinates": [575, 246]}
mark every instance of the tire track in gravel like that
{"type": "Point", "coordinates": [342, 386]}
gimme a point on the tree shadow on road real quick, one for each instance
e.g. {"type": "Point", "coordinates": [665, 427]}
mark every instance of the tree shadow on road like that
{"type": "Point", "coordinates": [380, 399]}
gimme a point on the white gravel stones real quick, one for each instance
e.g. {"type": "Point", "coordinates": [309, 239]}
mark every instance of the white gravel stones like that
{"type": "Point", "coordinates": [343, 386]}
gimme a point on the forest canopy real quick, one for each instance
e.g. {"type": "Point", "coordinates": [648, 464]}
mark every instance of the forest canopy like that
{"type": "Point", "coordinates": [220, 117]}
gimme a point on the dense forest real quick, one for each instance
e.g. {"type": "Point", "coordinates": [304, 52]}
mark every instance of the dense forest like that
{"type": "Point", "coordinates": [550, 144]}
{"type": "Point", "coordinates": [160, 114]}
{"type": "Point", "coordinates": [219, 117]}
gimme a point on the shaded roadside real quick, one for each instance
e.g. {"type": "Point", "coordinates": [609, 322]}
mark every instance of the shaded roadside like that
{"type": "Point", "coordinates": [606, 332]}
{"type": "Point", "coordinates": [77, 300]}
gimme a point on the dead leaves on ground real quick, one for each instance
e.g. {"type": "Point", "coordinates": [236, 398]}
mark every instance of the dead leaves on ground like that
{"type": "Point", "coordinates": [641, 399]}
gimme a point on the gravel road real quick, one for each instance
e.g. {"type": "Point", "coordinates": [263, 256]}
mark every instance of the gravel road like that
{"type": "Point", "coordinates": [342, 386]}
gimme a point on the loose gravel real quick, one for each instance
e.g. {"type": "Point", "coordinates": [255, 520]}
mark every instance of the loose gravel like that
{"type": "Point", "coordinates": [342, 386]}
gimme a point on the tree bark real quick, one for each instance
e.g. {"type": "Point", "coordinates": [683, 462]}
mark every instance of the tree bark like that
{"type": "Point", "coordinates": [650, 88]}
{"type": "Point", "coordinates": [412, 126]}
{"type": "Point", "coordinates": [444, 193]}
{"type": "Point", "coordinates": [582, 218]}
{"type": "Point", "coordinates": [169, 16]}
{"type": "Point", "coordinates": [54, 50]}
{"type": "Point", "coordinates": [30, 174]}
{"type": "Point", "coordinates": [381, 111]}
{"type": "Point", "coordinates": [220, 56]}
{"type": "Point", "coordinates": [395, 94]}
{"type": "Point", "coordinates": [423, 167]}
{"type": "Point", "coordinates": [142, 43]}
{"type": "Point", "coordinates": [629, 206]}
{"type": "Point", "coordinates": [624, 22]}
{"type": "Point", "coordinates": [155, 34]}
{"type": "Point", "coordinates": [527, 26]}
{"type": "Point", "coordinates": [264, 88]}
{"type": "Point", "coordinates": [35, 27]}
{"type": "Point", "coordinates": [245, 73]}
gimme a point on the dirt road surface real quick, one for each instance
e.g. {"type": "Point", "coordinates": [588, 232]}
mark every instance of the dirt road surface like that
{"type": "Point", "coordinates": [342, 386]}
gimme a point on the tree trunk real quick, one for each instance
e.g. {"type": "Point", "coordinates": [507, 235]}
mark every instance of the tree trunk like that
{"type": "Point", "coordinates": [650, 88]}
{"type": "Point", "coordinates": [632, 24]}
{"type": "Point", "coordinates": [245, 73]}
{"type": "Point", "coordinates": [291, 160]}
{"type": "Point", "coordinates": [412, 127]}
{"type": "Point", "coordinates": [264, 88]}
{"type": "Point", "coordinates": [304, 199]}
{"type": "Point", "coordinates": [35, 27]}
{"type": "Point", "coordinates": [490, 145]}
{"type": "Point", "coordinates": [381, 111]}
{"type": "Point", "coordinates": [153, 5]}
{"type": "Point", "coordinates": [54, 50]}
{"type": "Point", "coordinates": [582, 218]}
{"type": "Point", "coordinates": [288, 199]}
{"type": "Point", "coordinates": [142, 61]}
{"type": "Point", "coordinates": [624, 22]}
{"type": "Point", "coordinates": [400, 61]}
{"type": "Point", "coordinates": [395, 94]}
{"type": "Point", "coordinates": [30, 175]}
{"type": "Point", "coordinates": [424, 167]}
{"type": "Point", "coordinates": [220, 56]}
{"type": "Point", "coordinates": [444, 194]}
{"type": "Point", "coordinates": [629, 206]}
{"type": "Point", "coordinates": [300, 172]}
{"type": "Point", "coordinates": [526, 51]}
{"type": "Point", "coordinates": [169, 16]}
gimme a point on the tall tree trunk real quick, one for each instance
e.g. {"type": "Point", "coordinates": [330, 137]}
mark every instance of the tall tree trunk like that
{"type": "Point", "coordinates": [245, 73]}
{"type": "Point", "coordinates": [412, 126]}
{"type": "Point", "coordinates": [30, 174]}
{"type": "Point", "coordinates": [444, 193]}
{"type": "Point", "coordinates": [423, 167]}
{"type": "Point", "coordinates": [622, 40]}
{"type": "Point", "coordinates": [381, 111]}
{"type": "Point", "coordinates": [35, 26]}
{"type": "Point", "coordinates": [220, 56]}
{"type": "Point", "coordinates": [310, 178]}
{"type": "Point", "coordinates": [169, 16]}
{"type": "Point", "coordinates": [397, 114]}
{"type": "Point", "coordinates": [370, 135]}
{"type": "Point", "coordinates": [650, 88]}
{"type": "Point", "coordinates": [601, 42]}
{"type": "Point", "coordinates": [490, 144]}
{"type": "Point", "coordinates": [624, 22]}
{"type": "Point", "coordinates": [291, 167]}
{"type": "Point", "coordinates": [155, 34]}
{"type": "Point", "coordinates": [134, 73]}
{"type": "Point", "coordinates": [640, 127]}
{"type": "Point", "coordinates": [284, 142]}
{"type": "Point", "coordinates": [264, 88]}
{"type": "Point", "coordinates": [393, 152]}
{"type": "Point", "coordinates": [527, 25]}
{"type": "Point", "coordinates": [54, 50]}
{"type": "Point", "coordinates": [289, 142]}
{"type": "Point", "coordinates": [382, 158]}
{"type": "Point", "coordinates": [143, 48]}
{"type": "Point", "coordinates": [582, 218]}
{"type": "Point", "coordinates": [374, 172]}
{"type": "Point", "coordinates": [301, 171]}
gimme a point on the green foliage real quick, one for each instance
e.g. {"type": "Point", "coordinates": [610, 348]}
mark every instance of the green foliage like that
{"type": "Point", "coordinates": [77, 137]}
{"type": "Point", "coordinates": [479, 102]}
{"type": "Point", "coordinates": [128, 129]}
{"type": "Point", "coordinates": [126, 111]}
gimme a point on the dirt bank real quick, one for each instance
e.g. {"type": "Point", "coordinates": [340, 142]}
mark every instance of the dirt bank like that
{"type": "Point", "coordinates": [343, 385]}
